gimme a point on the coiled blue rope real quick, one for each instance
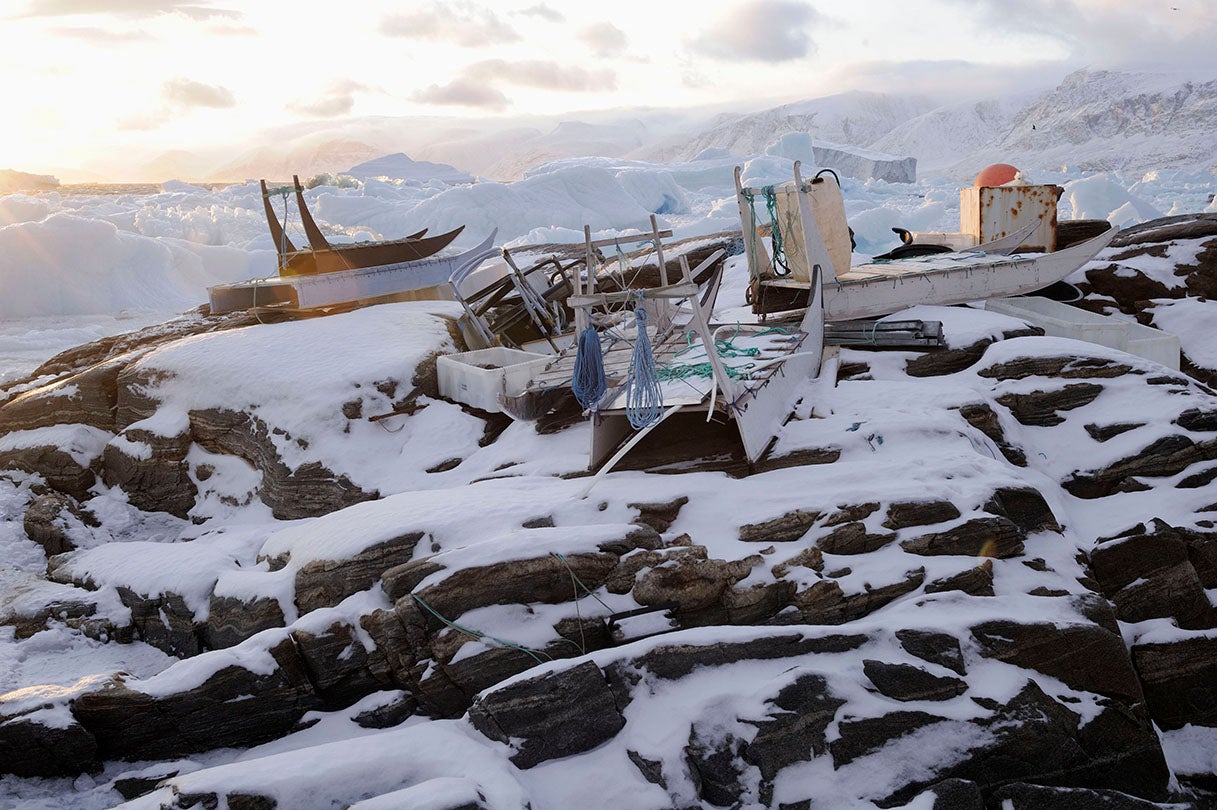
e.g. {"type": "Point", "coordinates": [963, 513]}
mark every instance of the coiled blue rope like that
{"type": "Point", "coordinates": [589, 383]}
{"type": "Point", "coordinates": [643, 394]}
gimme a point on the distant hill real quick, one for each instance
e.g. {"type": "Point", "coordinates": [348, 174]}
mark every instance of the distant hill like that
{"type": "Point", "coordinates": [855, 118]}
{"type": "Point", "coordinates": [11, 181]}
{"type": "Point", "coordinates": [178, 164]}
{"type": "Point", "coordinates": [1092, 120]}
{"type": "Point", "coordinates": [399, 166]}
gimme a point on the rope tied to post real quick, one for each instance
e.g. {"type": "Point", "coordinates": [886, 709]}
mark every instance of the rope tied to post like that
{"type": "Point", "coordinates": [589, 382]}
{"type": "Point", "coordinates": [775, 237]}
{"type": "Point", "coordinates": [643, 393]}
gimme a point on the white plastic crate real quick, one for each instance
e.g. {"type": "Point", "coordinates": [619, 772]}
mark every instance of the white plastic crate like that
{"type": "Point", "coordinates": [1062, 320]}
{"type": "Point", "coordinates": [1153, 344]}
{"type": "Point", "coordinates": [480, 377]}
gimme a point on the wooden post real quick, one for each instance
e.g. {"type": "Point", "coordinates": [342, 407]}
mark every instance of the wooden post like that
{"type": "Point", "coordinates": [582, 316]}
{"type": "Point", "coordinates": [663, 267]}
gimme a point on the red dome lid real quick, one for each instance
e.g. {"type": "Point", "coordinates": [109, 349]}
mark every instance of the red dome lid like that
{"type": "Point", "coordinates": [996, 175]}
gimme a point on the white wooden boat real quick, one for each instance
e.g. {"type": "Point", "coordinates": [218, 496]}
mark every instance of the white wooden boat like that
{"type": "Point", "coordinates": [423, 279]}
{"type": "Point", "coordinates": [881, 288]}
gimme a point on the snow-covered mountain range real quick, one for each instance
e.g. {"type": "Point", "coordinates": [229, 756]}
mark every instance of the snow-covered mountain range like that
{"type": "Point", "coordinates": [1092, 120]}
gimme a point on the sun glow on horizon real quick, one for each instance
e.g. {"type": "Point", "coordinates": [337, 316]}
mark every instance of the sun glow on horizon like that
{"type": "Point", "coordinates": [104, 90]}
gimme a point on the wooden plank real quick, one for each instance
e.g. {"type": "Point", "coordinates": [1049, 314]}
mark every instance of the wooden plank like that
{"type": "Point", "coordinates": [625, 296]}
{"type": "Point", "coordinates": [629, 240]}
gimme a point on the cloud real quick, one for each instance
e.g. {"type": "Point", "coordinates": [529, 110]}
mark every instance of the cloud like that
{"type": "Point", "coordinates": [339, 99]}
{"type": "Point", "coordinates": [544, 12]}
{"type": "Point", "coordinates": [125, 8]}
{"type": "Point", "coordinates": [604, 39]}
{"type": "Point", "coordinates": [463, 92]}
{"type": "Point", "coordinates": [947, 80]}
{"type": "Point", "coordinates": [102, 36]}
{"type": "Point", "coordinates": [1107, 33]}
{"type": "Point", "coordinates": [224, 29]}
{"type": "Point", "coordinates": [541, 74]}
{"type": "Point", "coordinates": [761, 31]}
{"type": "Point", "coordinates": [145, 122]}
{"type": "Point", "coordinates": [189, 93]}
{"type": "Point", "coordinates": [458, 23]}
{"type": "Point", "coordinates": [476, 85]}
{"type": "Point", "coordinates": [178, 95]}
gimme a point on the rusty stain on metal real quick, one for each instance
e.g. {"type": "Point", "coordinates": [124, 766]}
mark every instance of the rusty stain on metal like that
{"type": "Point", "coordinates": [992, 212]}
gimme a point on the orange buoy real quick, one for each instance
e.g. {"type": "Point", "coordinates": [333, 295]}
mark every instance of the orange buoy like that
{"type": "Point", "coordinates": [996, 175]}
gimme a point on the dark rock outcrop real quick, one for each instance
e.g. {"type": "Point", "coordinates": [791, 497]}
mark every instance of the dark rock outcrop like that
{"type": "Point", "coordinates": [949, 361]}
{"type": "Point", "coordinates": [904, 682]}
{"type": "Point", "coordinates": [1086, 657]}
{"type": "Point", "coordinates": [1037, 739]}
{"type": "Point", "coordinates": [1180, 681]}
{"type": "Point", "coordinates": [550, 716]}
{"type": "Point", "coordinates": [32, 748]}
{"type": "Point", "coordinates": [165, 621]}
{"type": "Point", "coordinates": [797, 728]}
{"type": "Point", "coordinates": [1023, 796]}
{"type": "Point", "coordinates": [989, 537]}
{"type": "Point", "coordinates": [50, 519]}
{"type": "Point", "coordinates": [1040, 408]}
{"type": "Point", "coordinates": [903, 514]}
{"type": "Point", "coordinates": [982, 417]}
{"type": "Point", "coordinates": [156, 478]}
{"type": "Point", "coordinates": [325, 583]}
{"type": "Point", "coordinates": [1148, 574]}
{"type": "Point", "coordinates": [1165, 456]}
{"type": "Point", "coordinates": [231, 620]}
{"type": "Point", "coordinates": [87, 397]}
{"type": "Point", "coordinates": [977, 581]}
{"type": "Point", "coordinates": [857, 738]}
{"type": "Point", "coordinates": [309, 490]}
{"type": "Point", "coordinates": [233, 706]}
{"type": "Point", "coordinates": [62, 471]}
{"type": "Point", "coordinates": [937, 648]}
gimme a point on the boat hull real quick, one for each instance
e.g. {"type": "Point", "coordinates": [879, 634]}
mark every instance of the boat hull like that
{"type": "Point", "coordinates": [869, 291]}
{"type": "Point", "coordinates": [359, 256]}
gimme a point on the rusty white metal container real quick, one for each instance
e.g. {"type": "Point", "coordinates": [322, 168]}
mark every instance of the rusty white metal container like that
{"type": "Point", "coordinates": [991, 212]}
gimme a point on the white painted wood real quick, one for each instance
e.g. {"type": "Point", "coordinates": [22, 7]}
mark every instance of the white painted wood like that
{"type": "Point", "coordinates": [952, 279]}
{"type": "Point", "coordinates": [871, 290]}
{"type": "Point", "coordinates": [620, 454]}
{"type": "Point", "coordinates": [426, 278]}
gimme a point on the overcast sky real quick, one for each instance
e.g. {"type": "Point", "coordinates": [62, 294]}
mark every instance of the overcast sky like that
{"type": "Point", "coordinates": [83, 76]}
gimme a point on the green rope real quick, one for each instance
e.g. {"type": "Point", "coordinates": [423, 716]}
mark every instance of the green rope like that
{"type": "Point", "coordinates": [780, 267]}
{"type": "Point", "coordinates": [586, 589]}
{"type": "Point", "coordinates": [578, 583]}
{"type": "Point", "coordinates": [779, 253]}
{"type": "Point", "coordinates": [475, 633]}
{"type": "Point", "coordinates": [704, 370]}
{"type": "Point", "coordinates": [724, 347]}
